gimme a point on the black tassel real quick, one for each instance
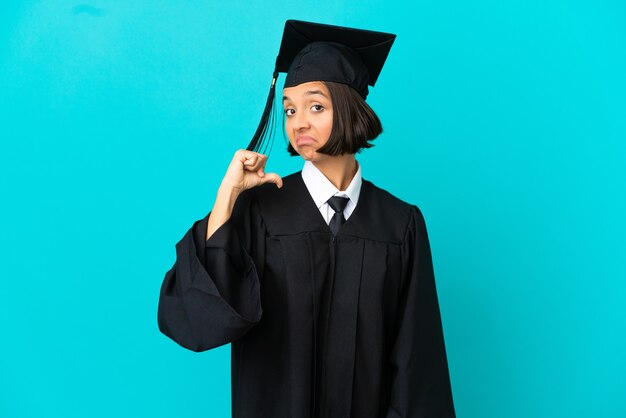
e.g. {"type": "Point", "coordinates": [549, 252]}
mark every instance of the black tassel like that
{"type": "Point", "coordinates": [265, 130]}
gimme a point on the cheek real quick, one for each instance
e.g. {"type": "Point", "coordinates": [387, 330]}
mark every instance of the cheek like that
{"type": "Point", "coordinates": [328, 125]}
{"type": "Point", "coordinates": [288, 128]}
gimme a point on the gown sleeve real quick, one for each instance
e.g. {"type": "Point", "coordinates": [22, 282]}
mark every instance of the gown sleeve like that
{"type": "Point", "coordinates": [420, 385]}
{"type": "Point", "coordinates": [211, 296]}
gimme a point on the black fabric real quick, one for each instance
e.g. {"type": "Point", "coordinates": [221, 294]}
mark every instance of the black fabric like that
{"type": "Point", "coordinates": [320, 327]}
{"type": "Point", "coordinates": [326, 61]}
{"type": "Point", "coordinates": [338, 204]}
{"type": "Point", "coordinates": [318, 52]}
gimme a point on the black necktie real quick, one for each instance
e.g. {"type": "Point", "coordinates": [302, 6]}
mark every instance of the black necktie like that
{"type": "Point", "coordinates": [338, 204]}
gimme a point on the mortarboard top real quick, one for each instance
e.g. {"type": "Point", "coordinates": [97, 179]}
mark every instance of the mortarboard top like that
{"type": "Point", "coordinates": [318, 52]}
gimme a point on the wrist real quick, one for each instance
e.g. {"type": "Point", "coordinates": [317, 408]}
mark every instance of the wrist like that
{"type": "Point", "coordinates": [227, 195]}
{"type": "Point", "coordinates": [226, 189]}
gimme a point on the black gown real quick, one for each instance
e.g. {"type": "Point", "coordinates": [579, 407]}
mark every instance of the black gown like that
{"type": "Point", "coordinates": [320, 327]}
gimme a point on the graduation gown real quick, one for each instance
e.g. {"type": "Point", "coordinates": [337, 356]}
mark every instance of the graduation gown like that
{"type": "Point", "coordinates": [320, 326]}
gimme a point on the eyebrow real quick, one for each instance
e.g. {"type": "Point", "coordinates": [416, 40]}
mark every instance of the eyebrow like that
{"type": "Point", "coordinates": [309, 93]}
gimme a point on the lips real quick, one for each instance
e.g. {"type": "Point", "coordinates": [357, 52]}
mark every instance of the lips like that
{"type": "Point", "coordinates": [304, 140]}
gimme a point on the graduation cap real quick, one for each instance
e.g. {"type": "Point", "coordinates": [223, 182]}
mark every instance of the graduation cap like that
{"type": "Point", "coordinates": [317, 52]}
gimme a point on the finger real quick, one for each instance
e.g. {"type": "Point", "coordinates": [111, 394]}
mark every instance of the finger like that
{"type": "Point", "coordinates": [243, 154]}
{"type": "Point", "coordinates": [258, 164]}
{"type": "Point", "coordinates": [247, 158]}
{"type": "Point", "coordinates": [250, 159]}
{"type": "Point", "coordinates": [272, 178]}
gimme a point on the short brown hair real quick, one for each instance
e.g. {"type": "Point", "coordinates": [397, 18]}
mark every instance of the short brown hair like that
{"type": "Point", "coordinates": [354, 122]}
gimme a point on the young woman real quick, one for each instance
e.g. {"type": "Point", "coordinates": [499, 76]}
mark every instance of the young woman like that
{"type": "Point", "coordinates": [322, 282]}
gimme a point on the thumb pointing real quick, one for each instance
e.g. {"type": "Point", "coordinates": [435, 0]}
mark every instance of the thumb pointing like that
{"type": "Point", "coordinates": [272, 178]}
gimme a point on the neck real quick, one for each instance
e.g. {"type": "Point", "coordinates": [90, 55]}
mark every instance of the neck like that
{"type": "Point", "coordinates": [339, 170]}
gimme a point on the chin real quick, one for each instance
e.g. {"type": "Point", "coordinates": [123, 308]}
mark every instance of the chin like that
{"type": "Point", "coordinates": [310, 155]}
{"type": "Point", "coordinates": [307, 153]}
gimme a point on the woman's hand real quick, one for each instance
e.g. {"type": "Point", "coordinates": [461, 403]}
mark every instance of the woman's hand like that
{"type": "Point", "coordinates": [247, 170]}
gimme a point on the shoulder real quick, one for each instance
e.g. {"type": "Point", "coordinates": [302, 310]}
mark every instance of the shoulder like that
{"type": "Point", "coordinates": [270, 192]}
{"type": "Point", "coordinates": [268, 197]}
{"type": "Point", "coordinates": [389, 202]}
{"type": "Point", "coordinates": [408, 216]}
{"type": "Point", "coordinates": [385, 198]}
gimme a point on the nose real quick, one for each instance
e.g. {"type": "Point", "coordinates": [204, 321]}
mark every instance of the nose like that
{"type": "Point", "coordinates": [301, 121]}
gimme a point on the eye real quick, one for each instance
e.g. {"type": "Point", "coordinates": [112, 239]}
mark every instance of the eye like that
{"type": "Point", "coordinates": [317, 108]}
{"type": "Point", "coordinates": [289, 112]}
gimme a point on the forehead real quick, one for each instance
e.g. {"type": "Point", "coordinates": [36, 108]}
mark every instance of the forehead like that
{"type": "Point", "coordinates": [305, 89]}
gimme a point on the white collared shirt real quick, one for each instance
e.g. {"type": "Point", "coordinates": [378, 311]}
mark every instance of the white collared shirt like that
{"type": "Point", "coordinates": [321, 189]}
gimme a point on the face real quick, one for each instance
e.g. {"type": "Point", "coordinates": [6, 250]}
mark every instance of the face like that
{"type": "Point", "coordinates": [308, 118]}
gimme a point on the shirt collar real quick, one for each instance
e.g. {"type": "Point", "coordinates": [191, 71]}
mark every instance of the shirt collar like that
{"type": "Point", "coordinates": [321, 189]}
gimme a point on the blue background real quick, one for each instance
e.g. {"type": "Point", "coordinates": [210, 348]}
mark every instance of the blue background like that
{"type": "Point", "coordinates": [504, 122]}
